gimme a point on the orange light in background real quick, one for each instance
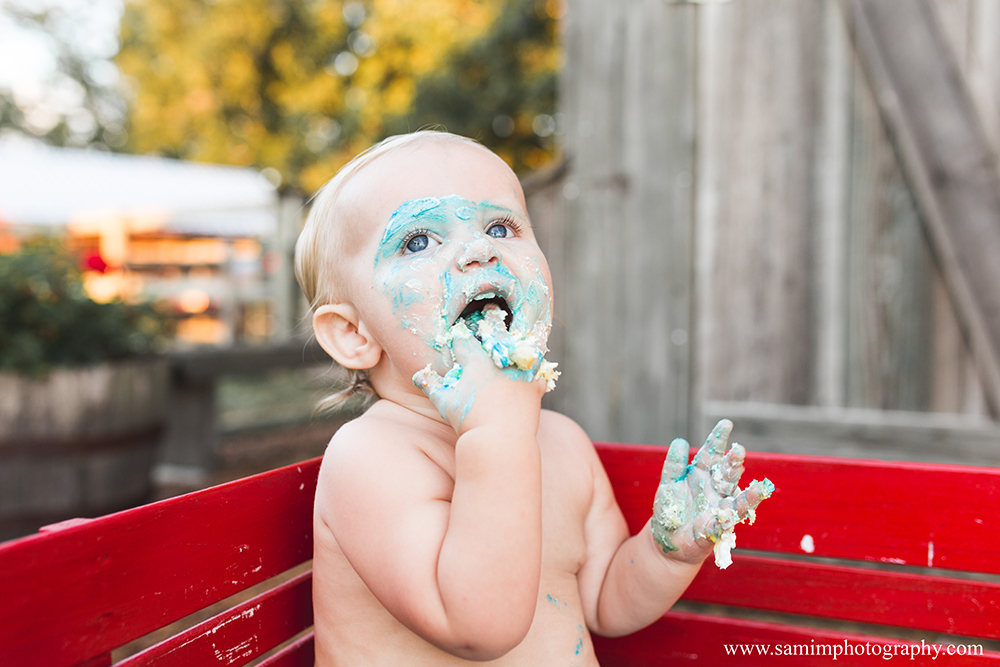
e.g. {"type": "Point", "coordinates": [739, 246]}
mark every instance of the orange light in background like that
{"type": "Point", "coordinates": [8, 242]}
{"type": "Point", "coordinates": [202, 329]}
{"type": "Point", "coordinates": [166, 250]}
{"type": "Point", "coordinates": [104, 287]}
{"type": "Point", "coordinates": [192, 301]}
{"type": "Point", "coordinates": [246, 250]}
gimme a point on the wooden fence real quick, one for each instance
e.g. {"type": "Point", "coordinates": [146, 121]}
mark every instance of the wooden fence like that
{"type": "Point", "coordinates": [738, 221]}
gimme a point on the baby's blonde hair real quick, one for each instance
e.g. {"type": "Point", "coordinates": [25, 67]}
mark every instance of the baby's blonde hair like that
{"type": "Point", "coordinates": [321, 244]}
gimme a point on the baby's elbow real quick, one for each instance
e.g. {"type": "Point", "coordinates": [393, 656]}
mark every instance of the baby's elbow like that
{"type": "Point", "coordinates": [491, 640]}
{"type": "Point", "coordinates": [484, 649]}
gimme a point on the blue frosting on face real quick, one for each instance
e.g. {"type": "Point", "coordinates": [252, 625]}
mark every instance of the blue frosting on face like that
{"type": "Point", "coordinates": [435, 214]}
{"type": "Point", "coordinates": [426, 209]}
{"type": "Point", "coordinates": [425, 286]}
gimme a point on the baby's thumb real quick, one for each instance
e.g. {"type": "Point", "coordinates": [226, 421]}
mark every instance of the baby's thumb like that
{"type": "Point", "coordinates": [428, 380]}
{"type": "Point", "coordinates": [675, 465]}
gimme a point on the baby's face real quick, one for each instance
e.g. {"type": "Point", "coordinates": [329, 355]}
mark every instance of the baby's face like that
{"type": "Point", "coordinates": [449, 235]}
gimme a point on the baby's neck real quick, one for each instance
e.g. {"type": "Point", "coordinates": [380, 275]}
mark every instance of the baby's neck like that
{"type": "Point", "coordinates": [416, 411]}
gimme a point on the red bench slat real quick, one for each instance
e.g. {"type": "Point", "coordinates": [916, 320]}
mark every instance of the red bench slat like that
{"type": "Point", "coordinates": [903, 513]}
{"type": "Point", "coordinates": [960, 607]}
{"type": "Point", "coordinates": [81, 591]}
{"type": "Point", "coordinates": [103, 660]}
{"type": "Point", "coordinates": [300, 653]}
{"type": "Point", "coordinates": [682, 638]}
{"type": "Point", "coordinates": [238, 635]}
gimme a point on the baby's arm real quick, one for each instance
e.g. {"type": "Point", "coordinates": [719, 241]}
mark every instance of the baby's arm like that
{"type": "Point", "coordinates": [696, 507]}
{"type": "Point", "coordinates": [454, 553]}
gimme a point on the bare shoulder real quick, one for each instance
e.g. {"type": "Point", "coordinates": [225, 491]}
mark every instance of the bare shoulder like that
{"type": "Point", "coordinates": [557, 426]}
{"type": "Point", "coordinates": [569, 459]}
{"type": "Point", "coordinates": [564, 438]}
{"type": "Point", "coordinates": [386, 447]}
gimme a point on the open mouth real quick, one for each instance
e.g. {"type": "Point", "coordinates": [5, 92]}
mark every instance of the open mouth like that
{"type": "Point", "coordinates": [487, 307]}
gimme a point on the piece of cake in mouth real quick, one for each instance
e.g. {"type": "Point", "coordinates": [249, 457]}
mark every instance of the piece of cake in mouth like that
{"type": "Point", "coordinates": [488, 319]}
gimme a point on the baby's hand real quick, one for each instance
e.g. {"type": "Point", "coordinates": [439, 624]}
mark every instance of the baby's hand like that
{"type": "Point", "coordinates": [698, 505]}
{"type": "Point", "coordinates": [475, 391]}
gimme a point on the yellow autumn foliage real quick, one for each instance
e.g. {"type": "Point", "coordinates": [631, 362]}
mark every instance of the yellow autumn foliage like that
{"type": "Point", "coordinates": [297, 85]}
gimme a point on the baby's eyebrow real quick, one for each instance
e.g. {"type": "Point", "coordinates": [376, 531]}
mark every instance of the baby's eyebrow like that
{"type": "Point", "coordinates": [407, 212]}
{"type": "Point", "coordinates": [435, 210]}
{"type": "Point", "coordinates": [521, 215]}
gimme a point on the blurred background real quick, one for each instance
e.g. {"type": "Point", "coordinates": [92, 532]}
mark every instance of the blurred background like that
{"type": "Point", "coordinates": [783, 212]}
{"type": "Point", "coordinates": [156, 163]}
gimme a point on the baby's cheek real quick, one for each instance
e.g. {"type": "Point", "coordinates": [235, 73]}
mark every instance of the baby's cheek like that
{"type": "Point", "coordinates": [415, 297]}
{"type": "Point", "coordinates": [407, 293]}
{"type": "Point", "coordinates": [535, 305]}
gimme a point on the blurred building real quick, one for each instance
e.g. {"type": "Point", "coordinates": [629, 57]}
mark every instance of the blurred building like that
{"type": "Point", "coordinates": [204, 238]}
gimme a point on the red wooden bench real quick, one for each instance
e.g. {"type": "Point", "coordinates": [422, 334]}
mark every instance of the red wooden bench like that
{"type": "Point", "coordinates": [79, 590]}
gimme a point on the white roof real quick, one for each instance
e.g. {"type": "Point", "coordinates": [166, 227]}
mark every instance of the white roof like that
{"type": "Point", "coordinates": [46, 186]}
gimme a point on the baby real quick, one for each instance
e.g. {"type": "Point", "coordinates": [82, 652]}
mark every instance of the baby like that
{"type": "Point", "coordinates": [456, 520]}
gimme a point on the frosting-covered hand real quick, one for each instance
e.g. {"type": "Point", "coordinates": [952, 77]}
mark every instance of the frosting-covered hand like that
{"type": "Point", "coordinates": [477, 390]}
{"type": "Point", "coordinates": [698, 505]}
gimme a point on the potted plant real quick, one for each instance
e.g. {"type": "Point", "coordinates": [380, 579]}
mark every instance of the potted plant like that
{"type": "Point", "coordinates": [82, 393]}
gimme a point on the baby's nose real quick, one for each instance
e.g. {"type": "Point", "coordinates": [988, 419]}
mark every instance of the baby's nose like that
{"type": "Point", "coordinates": [479, 251]}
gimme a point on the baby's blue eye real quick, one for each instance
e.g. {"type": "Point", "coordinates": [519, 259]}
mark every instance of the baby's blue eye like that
{"type": "Point", "coordinates": [417, 243]}
{"type": "Point", "coordinates": [497, 231]}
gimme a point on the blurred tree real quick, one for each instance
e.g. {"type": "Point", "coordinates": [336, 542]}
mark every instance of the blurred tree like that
{"type": "Point", "coordinates": [75, 101]}
{"type": "Point", "coordinates": [47, 320]}
{"type": "Point", "coordinates": [500, 88]}
{"type": "Point", "coordinates": [300, 86]}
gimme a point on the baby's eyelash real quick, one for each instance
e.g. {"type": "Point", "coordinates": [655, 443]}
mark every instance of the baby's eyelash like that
{"type": "Point", "coordinates": [510, 222]}
{"type": "Point", "coordinates": [414, 233]}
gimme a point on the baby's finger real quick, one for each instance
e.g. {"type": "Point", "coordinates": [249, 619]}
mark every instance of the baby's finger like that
{"type": "Point", "coordinates": [726, 476]}
{"type": "Point", "coordinates": [468, 351]}
{"type": "Point", "coordinates": [715, 445]}
{"type": "Point", "coordinates": [427, 380]}
{"type": "Point", "coordinates": [747, 501]}
{"type": "Point", "coordinates": [711, 525]}
{"type": "Point", "coordinates": [675, 464]}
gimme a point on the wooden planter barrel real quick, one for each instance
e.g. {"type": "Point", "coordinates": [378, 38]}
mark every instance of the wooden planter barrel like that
{"type": "Point", "coordinates": [79, 443]}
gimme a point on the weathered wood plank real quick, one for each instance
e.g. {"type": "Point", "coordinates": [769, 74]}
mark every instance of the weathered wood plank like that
{"type": "Point", "coordinates": [205, 365]}
{"type": "Point", "coordinates": [971, 27]}
{"type": "Point", "coordinates": [954, 383]}
{"type": "Point", "coordinates": [946, 157]}
{"type": "Point", "coordinates": [876, 434]}
{"type": "Point", "coordinates": [760, 108]}
{"type": "Point", "coordinates": [984, 73]}
{"type": "Point", "coordinates": [628, 99]}
{"type": "Point", "coordinates": [887, 273]}
{"type": "Point", "coordinates": [830, 236]}
{"type": "Point", "coordinates": [189, 452]}
{"type": "Point", "coordinates": [811, 282]}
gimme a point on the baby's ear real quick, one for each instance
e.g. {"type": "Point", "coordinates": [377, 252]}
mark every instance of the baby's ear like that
{"type": "Point", "coordinates": [341, 333]}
